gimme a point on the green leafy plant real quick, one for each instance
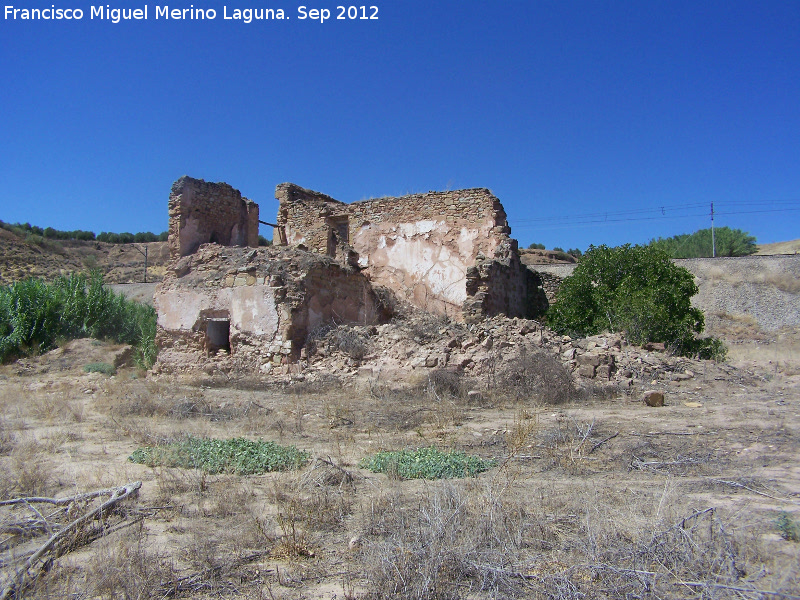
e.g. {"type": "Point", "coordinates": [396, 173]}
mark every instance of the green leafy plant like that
{"type": "Point", "coordinates": [635, 289]}
{"type": "Point", "coordinates": [426, 463]}
{"type": "Point", "coordinates": [236, 455]}
{"type": "Point", "coordinates": [100, 367]}
{"type": "Point", "coordinates": [788, 528]}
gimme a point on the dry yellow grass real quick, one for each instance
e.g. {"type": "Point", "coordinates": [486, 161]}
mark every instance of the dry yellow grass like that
{"type": "Point", "coordinates": [790, 247]}
{"type": "Point", "coordinates": [592, 497]}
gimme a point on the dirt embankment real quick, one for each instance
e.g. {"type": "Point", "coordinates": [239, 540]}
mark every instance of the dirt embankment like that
{"type": "Point", "coordinates": [790, 247]}
{"type": "Point", "coordinates": [119, 263]}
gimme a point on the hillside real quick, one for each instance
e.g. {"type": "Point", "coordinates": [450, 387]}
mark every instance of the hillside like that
{"type": "Point", "coordinates": [119, 263]}
{"type": "Point", "coordinates": [791, 247]}
{"type": "Point", "coordinates": [534, 256]}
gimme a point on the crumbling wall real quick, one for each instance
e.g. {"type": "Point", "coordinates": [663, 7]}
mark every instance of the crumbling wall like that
{"type": "Point", "coordinates": [503, 285]}
{"type": "Point", "coordinates": [304, 216]}
{"type": "Point", "coordinates": [266, 301]}
{"type": "Point", "coordinates": [201, 212]}
{"type": "Point", "coordinates": [420, 246]}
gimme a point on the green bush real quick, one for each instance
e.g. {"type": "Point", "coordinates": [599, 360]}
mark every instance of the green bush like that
{"type": "Point", "coordinates": [635, 289]}
{"type": "Point", "coordinates": [101, 367]}
{"type": "Point", "coordinates": [237, 455]}
{"type": "Point", "coordinates": [727, 241]}
{"type": "Point", "coordinates": [34, 314]}
{"type": "Point", "coordinates": [788, 528]}
{"type": "Point", "coordinates": [426, 463]}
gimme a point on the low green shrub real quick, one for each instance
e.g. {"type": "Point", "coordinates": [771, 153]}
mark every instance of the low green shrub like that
{"type": "Point", "coordinates": [236, 455]}
{"type": "Point", "coordinates": [788, 528]}
{"type": "Point", "coordinates": [637, 290]}
{"type": "Point", "coordinates": [426, 463]}
{"type": "Point", "coordinates": [100, 367]}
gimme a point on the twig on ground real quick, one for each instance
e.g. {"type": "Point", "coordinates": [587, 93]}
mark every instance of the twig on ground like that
{"type": "Point", "coordinates": [199, 580]}
{"type": "Point", "coordinates": [749, 489]}
{"type": "Point", "coordinates": [601, 442]}
{"type": "Point", "coordinates": [651, 433]}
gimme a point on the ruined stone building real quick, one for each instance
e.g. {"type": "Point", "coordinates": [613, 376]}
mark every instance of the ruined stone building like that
{"type": "Point", "coordinates": [225, 302]}
{"type": "Point", "coordinates": [203, 213]}
{"type": "Point", "coordinates": [444, 252]}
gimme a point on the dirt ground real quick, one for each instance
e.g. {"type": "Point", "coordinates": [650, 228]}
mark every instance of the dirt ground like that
{"type": "Point", "coordinates": [600, 497]}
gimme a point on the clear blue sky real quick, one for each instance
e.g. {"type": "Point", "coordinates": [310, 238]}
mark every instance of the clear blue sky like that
{"type": "Point", "coordinates": [584, 118]}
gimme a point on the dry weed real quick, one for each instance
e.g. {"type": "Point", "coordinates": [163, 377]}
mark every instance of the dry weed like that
{"type": "Point", "coordinates": [8, 439]}
{"type": "Point", "coordinates": [535, 377]}
{"type": "Point", "coordinates": [29, 472]}
{"type": "Point", "coordinates": [453, 543]}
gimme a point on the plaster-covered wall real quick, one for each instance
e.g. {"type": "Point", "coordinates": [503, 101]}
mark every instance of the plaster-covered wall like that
{"type": "Point", "coordinates": [420, 246]}
{"type": "Point", "coordinates": [270, 299]}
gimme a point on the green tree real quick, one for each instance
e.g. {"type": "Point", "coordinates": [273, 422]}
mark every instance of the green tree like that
{"type": "Point", "coordinates": [634, 289]}
{"type": "Point", "coordinates": [728, 242]}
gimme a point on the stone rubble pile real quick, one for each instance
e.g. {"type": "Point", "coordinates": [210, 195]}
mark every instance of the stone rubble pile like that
{"type": "Point", "coordinates": [422, 342]}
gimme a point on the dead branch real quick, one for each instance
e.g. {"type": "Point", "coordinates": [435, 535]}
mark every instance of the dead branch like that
{"type": "Point", "coordinates": [347, 476]}
{"type": "Point", "coordinates": [749, 489]}
{"type": "Point", "coordinates": [737, 589]}
{"type": "Point", "coordinates": [62, 501]}
{"type": "Point", "coordinates": [601, 442]}
{"type": "Point", "coordinates": [22, 576]}
{"type": "Point", "coordinates": [638, 463]}
{"type": "Point", "coordinates": [198, 581]}
{"type": "Point", "coordinates": [584, 434]}
{"type": "Point", "coordinates": [652, 433]}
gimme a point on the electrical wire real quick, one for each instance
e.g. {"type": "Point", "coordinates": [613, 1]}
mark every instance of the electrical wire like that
{"type": "Point", "coordinates": [661, 214]}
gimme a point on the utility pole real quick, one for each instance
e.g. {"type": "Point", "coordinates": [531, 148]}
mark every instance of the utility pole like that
{"type": "Point", "coordinates": [144, 252]}
{"type": "Point", "coordinates": [713, 241]}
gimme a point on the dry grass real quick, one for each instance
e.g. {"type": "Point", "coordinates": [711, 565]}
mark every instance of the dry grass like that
{"type": "Point", "coordinates": [785, 282]}
{"type": "Point", "coordinates": [593, 496]}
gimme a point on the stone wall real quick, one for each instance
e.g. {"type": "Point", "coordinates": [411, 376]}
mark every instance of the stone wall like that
{"type": "Point", "coordinates": [201, 212]}
{"type": "Point", "coordinates": [419, 246]}
{"type": "Point", "coordinates": [503, 285]}
{"type": "Point", "coordinates": [266, 301]}
{"type": "Point", "coordinates": [550, 283]}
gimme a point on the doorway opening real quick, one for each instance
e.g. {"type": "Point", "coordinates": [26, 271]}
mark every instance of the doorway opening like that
{"type": "Point", "coordinates": [218, 335]}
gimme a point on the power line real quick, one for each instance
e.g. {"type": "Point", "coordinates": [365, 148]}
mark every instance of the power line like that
{"type": "Point", "coordinates": [585, 221]}
{"type": "Point", "coordinates": [675, 210]}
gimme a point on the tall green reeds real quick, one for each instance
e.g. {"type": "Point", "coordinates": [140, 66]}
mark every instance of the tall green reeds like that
{"type": "Point", "coordinates": [34, 315]}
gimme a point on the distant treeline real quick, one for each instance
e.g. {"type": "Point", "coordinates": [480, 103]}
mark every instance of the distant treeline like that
{"type": "Point", "coordinates": [35, 234]}
{"type": "Point", "coordinates": [727, 241]}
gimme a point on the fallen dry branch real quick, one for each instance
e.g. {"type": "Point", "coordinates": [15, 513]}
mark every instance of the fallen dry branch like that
{"type": "Point", "coordinates": [690, 433]}
{"type": "Point", "coordinates": [199, 581]}
{"type": "Point", "coordinates": [326, 472]}
{"type": "Point", "coordinates": [63, 501]}
{"type": "Point", "coordinates": [23, 575]}
{"type": "Point", "coordinates": [601, 442]}
{"type": "Point", "coordinates": [746, 590]}
{"type": "Point", "coordinates": [749, 489]}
